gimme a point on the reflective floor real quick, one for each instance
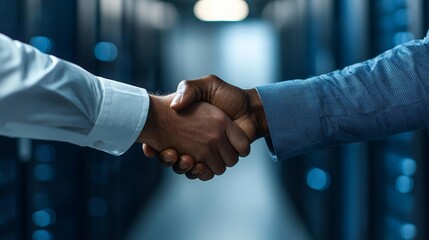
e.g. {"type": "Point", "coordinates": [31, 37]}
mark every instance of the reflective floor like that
{"type": "Point", "coordinates": [247, 202]}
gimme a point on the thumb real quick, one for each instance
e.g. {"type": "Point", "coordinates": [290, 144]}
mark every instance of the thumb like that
{"type": "Point", "coordinates": [186, 94]}
{"type": "Point", "coordinates": [149, 151]}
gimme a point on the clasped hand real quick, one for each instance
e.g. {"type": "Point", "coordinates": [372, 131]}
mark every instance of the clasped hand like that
{"type": "Point", "coordinates": [204, 127]}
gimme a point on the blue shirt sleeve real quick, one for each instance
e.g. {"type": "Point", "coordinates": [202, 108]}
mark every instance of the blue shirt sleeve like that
{"type": "Point", "coordinates": [373, 99]}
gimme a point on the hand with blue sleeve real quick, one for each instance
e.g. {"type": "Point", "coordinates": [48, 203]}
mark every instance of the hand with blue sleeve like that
{"type": "Point", "coordinates": [373, 99]}
{"type": "Point", "coordinates": [242, 106]}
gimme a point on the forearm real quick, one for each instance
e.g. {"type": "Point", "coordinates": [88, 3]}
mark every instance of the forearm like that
{"type": "Point", "coordinates": [369, 100]}
{"type": "Point", "coordinates": [48, 98]}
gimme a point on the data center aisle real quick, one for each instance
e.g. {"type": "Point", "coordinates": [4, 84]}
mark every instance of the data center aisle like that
{"type": "Point", "coordinates": [247, 202]}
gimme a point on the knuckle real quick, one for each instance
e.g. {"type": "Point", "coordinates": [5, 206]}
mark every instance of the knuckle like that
{"type": "Point", "coordinates": [205, 153]}
{"type": "Point", "coordinates": [213, 76]}
{"type": "Point", "coordinates": [214, 79]}
{"type": "Point", "coordinates": [219, 120]}
{"type": "Point", "coordinates": [215, 139]}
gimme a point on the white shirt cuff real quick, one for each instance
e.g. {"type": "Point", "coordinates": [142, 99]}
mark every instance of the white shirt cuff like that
{"type": "Point", "coordinates": [121, 119]}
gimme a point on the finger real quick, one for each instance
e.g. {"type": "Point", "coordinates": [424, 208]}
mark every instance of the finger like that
{"type": "Point", "coordinates": [228, 154]}
{"type": "Point", "coordinates": [177, 170]}
{"type": "Point", "coordinates": [184, 164]}
{"type": "Point", "coordinates": [194, 90]}
{"type": "Point", "coordinates": [206, 175]}
{"type": "Point", "coordinates": [168, 157]}
{"type": "Point", "coordinates": [216, 163]}
{"type": "Point", "coordinates": [149, 151]}
{"type": "Point", "coordinates": [185, 95]}
{"type": "Point", "coordinates": [196, 171]}
{"type": "Point", "coordinates": [190, 176]}
{"type": "Point", "coordinates": [238, 139]}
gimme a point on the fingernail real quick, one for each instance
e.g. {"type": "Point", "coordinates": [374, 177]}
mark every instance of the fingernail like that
{"type": "Point", "coordinates": [168, 160]}
{"type": "Point", "coordinates": [176, 99]}
{"type": "Point", "coordinates": [195, 171]}
{"type": "Point", "coordinates": [181, 87]}
{"type": "Point", "coordinates": [183, 165]}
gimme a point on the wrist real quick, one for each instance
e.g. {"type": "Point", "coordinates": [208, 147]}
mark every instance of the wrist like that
{"type": "Point", "coordinates": [151, 131]}
{"type": "Point", "coordinates": [257, 113]}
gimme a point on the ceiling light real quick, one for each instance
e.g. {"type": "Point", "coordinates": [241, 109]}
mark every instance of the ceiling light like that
{"type": "Point", "coordinates": [221, 10]}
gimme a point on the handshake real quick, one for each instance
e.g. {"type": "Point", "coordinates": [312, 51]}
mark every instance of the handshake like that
{"type": "Point", "coordinates": [204, 127]}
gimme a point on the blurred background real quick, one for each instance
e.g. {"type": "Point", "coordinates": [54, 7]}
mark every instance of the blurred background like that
{"type": "Point", "coordinates": [372, 190]}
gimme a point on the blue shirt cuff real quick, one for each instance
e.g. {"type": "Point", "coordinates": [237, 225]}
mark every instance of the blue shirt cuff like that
{"type": "Point", "coordinates": [293, 118]}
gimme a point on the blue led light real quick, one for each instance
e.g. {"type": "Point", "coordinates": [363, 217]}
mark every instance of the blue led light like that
{"type": "Point", "coordinates": [44, 44]}
{"type": "Point", "coordinates": [408, 231]}
{"type": "Point", "coordinates": [43, 172]}
{"type": "Point", "coordinates": [44, 153]}
{"type": "Point", "coordinates": [44, 218]}
{"type": "Point", "coordinates": [404, 184]}
{"type": "Point", "coordinates": [403, 37]}
{"type": "Point", "coordinates": [318, 179]}
{"type": "Point", "coordinates": [408, 166]}
{"type": "Point", "coordinates": [42, 235]}
{"type": "Point", "coordinates": [106, 51]}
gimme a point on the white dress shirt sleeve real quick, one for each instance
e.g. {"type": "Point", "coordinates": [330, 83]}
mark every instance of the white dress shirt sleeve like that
{"type": "Point", "coordinates": [43, 97]}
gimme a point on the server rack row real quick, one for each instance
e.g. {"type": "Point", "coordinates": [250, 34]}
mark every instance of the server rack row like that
{"type": "Point", "coordinates": [11, 221]}
{"type": "Point", "coordinates": [51, 190]}
{"type": "Point", "coordinates": [396, 175]}
{"type": "Point", "coordinates": [372, 190]}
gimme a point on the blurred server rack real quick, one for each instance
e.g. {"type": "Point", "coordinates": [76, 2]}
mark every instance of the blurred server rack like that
{"type": "Point", "coordinates": [11, 191]}
{"type": "Point", "coordinates": [63, 191]}
{"type": "Point", "coordinates": [12, 179]}
{"type": "Point", "coordinates": [425, 164]}
{"type": "Point", "coordinates": [10, 9]}
{"type": "Point", "coordinates": [395, 178]}
{"type": "Point", "coordinates": [293, 47]}
{"type": "Point", "coordinates": [354, 38]}
{"type": "Point", "coordinates": [52, 192]}
{"type": "Point", "coordinates": [314, 180]}
{"type": "Point", "coordinates": [330, 187]}
{"type": "Point", "coordinates": [50, 26]}
{"type": "Point", "coordinates": [116, 187]}
{"type": "Point", "coordinates": [396, 172]}
{"type": "Point", "coordinates": [425, 16]}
